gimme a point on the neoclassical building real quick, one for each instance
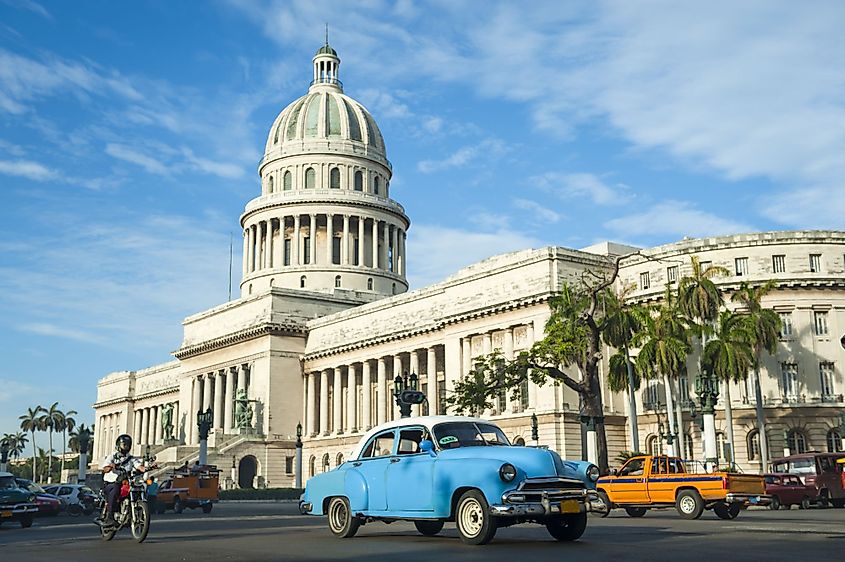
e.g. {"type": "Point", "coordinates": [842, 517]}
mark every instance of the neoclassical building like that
{"type": "Point", "coordinates": [325, 321]}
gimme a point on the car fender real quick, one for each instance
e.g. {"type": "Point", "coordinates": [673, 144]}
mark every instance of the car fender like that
{"type": "Point", "coordinates": [324, 486]}
{"type": "Point", "coordinates": [356, 491]}
{"type": "Point", "coordinates": [451, 475]}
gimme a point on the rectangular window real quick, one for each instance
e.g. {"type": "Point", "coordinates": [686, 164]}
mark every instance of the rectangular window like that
{"type": "Point", "coordinates": [815, 263]}
{"type": "Point", "coordinates": [441, 398]}
{"type": "Point", "coordinates": [651, 396]}
{"type": "Point", "coordinates": [288, 465]}
{"type": "Point", "coordinates": [705, 265]}
{"type": "Point", "coordinates": [286, 259]}
{"type": "Point", "coordinates": [683, 389]}
{"type": "Point", "coordinates": [785, 325]}
{"type": "Point", "coordinates": [820, 323]}
{"type": "Point", "coordinates": [789, 379]}
{"type": "Point", "coordinates": [524, 402]}
{"type": "Point", "coordinates": [335, 250]}
{"type": "Point", "coordinates": [672, 274]}
{"type": "Point", "coordinates": [306, 249]}
{"type": "Point", "coordinates": [826, 374]}
{"type": "Point", "coordinates": [356, 249]}
{"type": "Point", "coordinates": [424, 405]}
{"type": "Point", "coordinates": [741, 266]}
{"type": "Point", "coordinates": [644, 280]}
{"type": "Point", "coordinates": [501, 403]}
{"type": "Point", "coordinates": [779, 264]}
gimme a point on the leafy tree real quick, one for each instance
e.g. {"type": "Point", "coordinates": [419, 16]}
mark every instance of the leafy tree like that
{"type": "Point", "coordinates": [32, 422]}
{"type": "Point", "coordinates": [729, 356]}
{"type": "Point", "coordinates": [17, 444]}
{"type": "Point", "coordinates": [68, 422]}
{"type": "Point", "coordinates": [765, 326]}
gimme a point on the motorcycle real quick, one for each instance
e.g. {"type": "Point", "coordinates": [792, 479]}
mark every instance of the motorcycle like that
{"type": "Point", "coordinates": [133, 511]}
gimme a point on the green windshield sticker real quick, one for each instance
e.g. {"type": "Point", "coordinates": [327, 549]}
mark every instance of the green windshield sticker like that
{"type": "Point", "coordinates": [448, 439]}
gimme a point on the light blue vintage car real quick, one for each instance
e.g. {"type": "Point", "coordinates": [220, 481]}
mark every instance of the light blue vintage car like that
{"type": "Point", "coordinates": [434, 469]}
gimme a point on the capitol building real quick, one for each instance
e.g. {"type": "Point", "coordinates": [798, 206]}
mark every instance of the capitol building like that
{"type": "Point", "coordinates": [325, 322]}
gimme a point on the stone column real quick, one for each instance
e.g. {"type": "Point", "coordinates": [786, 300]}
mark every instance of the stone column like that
{"type": "Point", "coordinates": [228, 401]}
{"type": "Point", "coordinates": [206, 391]}
{"type": "Point", "coordinates": [351, 398]}
{"type": "Point", "coordinates": [329, 237]}
{"type": "Point", "coordinates": [360, 246]}
{"type": "Point", "coordinates": [381, 382]}
{"type": "Point", "coordinates": [385, 248]}
{"type": "Point", "coordinates": [431, 375]}
{"type": "Point", "coordinates": [245, 257]}
{"type": "Point", "coordinates": [242, 379]}
{"type": "Point", "coordinates": [312, 241]}
{"type": "Point", "coordinates": [311, 420]}
{"type": "Point", "coordinates": [375, 243]}
{"type": "Point", "coordinates": [324, 402]}
{"type": "Point", "coordinates": [466, 355]}
{"type": "Point", "coordinates": [487, 343]}
{"type": "Point", "coordinates": [394, 244]}
{"type": "Point", "coordinates": [218, 400]}
{"type": "Point", "coordinates": [252, 248]}
{"type": "Point", "coordinates": [414, 366]}
{"type": "Point", "coordinates": [136, 427]}
{"type": "Point", "coordinates": [366, 397]}
{"type": "Point", "coordinates": [268, 244]}
{"type": "Point", "coordinates": [337, 401]}
{"type": "Point", "coordinates": [507, 344]}
{"type": "Point", "coordinates": [191, 417]}
{"type": "Point", "coordinates": [401, 265]}
{"type": "Point", "coordinates": [145, 420]}
{"type": "Point", "coordinates": [157, 425]}
{"type": "Point", "coordinates": [344, 242]}
{"type": "Point", "coordinates": [295, 241]}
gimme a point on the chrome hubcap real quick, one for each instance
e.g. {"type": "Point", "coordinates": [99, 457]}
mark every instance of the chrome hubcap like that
{"type": "Point", "coordinates": [338, 515]}
{"type": "Point", "coordinates": [687, 505]}
{"type": "Point", "coordinates": [471, 517]}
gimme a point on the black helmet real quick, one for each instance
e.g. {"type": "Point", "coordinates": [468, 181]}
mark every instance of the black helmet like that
{"type": "Point", "coordinates": [123, 444]}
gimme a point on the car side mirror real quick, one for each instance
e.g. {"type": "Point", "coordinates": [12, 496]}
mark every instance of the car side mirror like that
{"type": "Point", "coordinates": [614, 472]}
{"type": "Point", "coordinates": [427, 446]}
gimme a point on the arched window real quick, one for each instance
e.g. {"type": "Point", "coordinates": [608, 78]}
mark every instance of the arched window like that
{"type": "Point", "coordinates": [359, 181]}
{"type": "Point", "coordinates": [272, 281]}
{"type": "Point", "coordinates": [834, 441]}
{"type": "Point", "coordinates": [720, 446]}
{"type": "Point", "coordinates": [387, 189]}
{"type": "Point", "coordinates": [375, 185]}
{"type": "Point", "coordinates": [753, 443]}
{"type": "Point", "coordinates": [393, 288]}
{"type": "Point", "coordinates": [310, 178]}
{"type": "Point", "coordinates": [312, 466]}
{"type": "Point", "coordinates": [339, 459]}
{"type": "Point", "coordinates": [302, 282]}
{"type": "Point", "coordinates": [519, 442]}
{"type": "Point", "coordinates": [334, 178]}
{"type": "Point", "coordinates": [652, 445]}
{"type": "Point", "coordinates": [326, 466]}
{"type": "Point", "coordinates": [370, 284]}
{"type": "Point", "coordinates": [796, 441]}
{"type": "Point", "coordinates": [337, 280]}
{"type": "Point", "coordinates": [249, 289]}
{"type": "Point", "coordinates": [270, 184]}
{"type": "Point", "coordinates": [287, 181]}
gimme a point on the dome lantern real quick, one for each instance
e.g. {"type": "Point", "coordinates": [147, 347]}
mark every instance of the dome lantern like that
{"type": "Point", "coordinates": [326, 65]}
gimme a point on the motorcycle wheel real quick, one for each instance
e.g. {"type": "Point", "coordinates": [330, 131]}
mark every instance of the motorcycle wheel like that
{"type": "Point", "coordinates": [140, 520]}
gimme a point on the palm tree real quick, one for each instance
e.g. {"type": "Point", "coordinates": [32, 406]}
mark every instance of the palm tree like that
{"type": "Point", "coordinates": [621, 322]}
{"type": "Point", "coordinates": [44, 459]}
{"type": "Point", "coordinates": [664, 348]}
{"type": "Point", "coordinates": [53, 418]}
{"type": "Point", "coordinates": [17, 444]}
{"type": "Point", "coordinates": [67, 424]}
{"type": "Point", "coordinates": [32, 422]}
{"type": "Point", "coordinates": [699, 299]}
{"type": "Point", "coordinates": [765, 327]}
{"type": "Point", "coordinates": [729, 356]}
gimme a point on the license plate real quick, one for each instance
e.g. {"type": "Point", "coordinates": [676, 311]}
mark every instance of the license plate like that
{"type": "Point", "coordinates": [570, 506]}
{"type": "Point", "coordinates": [754, 499]}
{"type": "Point", "coordinates": [5, 513]}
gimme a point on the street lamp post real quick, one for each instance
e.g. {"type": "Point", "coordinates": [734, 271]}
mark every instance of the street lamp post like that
{"type": "Point", "coordinates": [535, 430]}
{"type": "Point", "coordinates": [204, 422]}
{"type": "Point", "coordinates": [707, 389]}
{"type": "Point", "coordinates": [842, 431]}
{"type": "Point", "coordinates": [84, 440]}
{"type": "Point", "coordinates": [298, 468]}
{"type": "Point", "coordinates": [406, 394]}
{"type": "Point", "coordinates": [4, 455]}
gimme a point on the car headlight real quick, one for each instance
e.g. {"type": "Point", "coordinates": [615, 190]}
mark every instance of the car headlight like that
{"type": "Point", "coordinates": [593, 473]}
{"type": "Point", "coordinates": [507, 472]}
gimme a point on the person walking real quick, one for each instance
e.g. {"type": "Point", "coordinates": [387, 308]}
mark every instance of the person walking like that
{"type": "Point", "coordinates": [152, 495]}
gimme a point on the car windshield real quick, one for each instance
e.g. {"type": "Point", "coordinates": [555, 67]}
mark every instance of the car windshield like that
{"type": "Point", "coordinates": [452, 435]}
{"type": "Point", "coordinates": [7, 482]}
{"type": "Point", "coordinates": [86, 490]}
{"type": "Point", "coordinates": [797, 466]}
{"type": "Point", "coordinates": [35, 488]}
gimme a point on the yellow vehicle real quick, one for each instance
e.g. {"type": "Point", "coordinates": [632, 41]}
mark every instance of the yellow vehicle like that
{"type": "Point", "coordinates": [194, 487]}
{"type": "Point", "coordinates": [648, 482]}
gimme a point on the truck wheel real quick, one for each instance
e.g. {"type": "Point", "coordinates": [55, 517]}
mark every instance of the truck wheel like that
{"type": "Point", "coordinates": [26, 521]}
{"type": "Point", "coordinates": [725, 511]}
{"type": "Point", "coordinates": [635, 511]}
{"type": "Point", "coordinates": [805, 503]}
{"type": "Point", "coordinates": [567, 527]}
{"type": "Point", "coordinates": [606, 501]}
{"type": "Point", "coordinates": [341, 521]}
{"type": "Point", "coordinates": [178, 506]}
{"type": "Point", "coordinates": [472, 516]}
{"type": "Point", "coordinates": [775, 505]}
{"type": "Point", "coordinates": [689, 504]}
{"type": "Point", "coordinates": [206, 508]}
{"type": "Point", "coordinates": [429, 528]}
{"type": "Point", "coordinates": [824, 499]}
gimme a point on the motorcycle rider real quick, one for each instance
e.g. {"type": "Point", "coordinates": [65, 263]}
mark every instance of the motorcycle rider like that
{"type": "Point", "coordinates": [119, 461]}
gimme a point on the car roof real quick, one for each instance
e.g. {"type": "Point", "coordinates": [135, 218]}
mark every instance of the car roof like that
{"type": "Point", "coordinates": [427, 421]}
{"type": "Point", "coordinates": [6, 474]}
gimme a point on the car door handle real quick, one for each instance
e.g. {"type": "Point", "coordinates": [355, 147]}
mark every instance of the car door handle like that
{"type": "Point", "coordinates": [357, 463]}
{"type": "Point", "coordinates": [395, 459]}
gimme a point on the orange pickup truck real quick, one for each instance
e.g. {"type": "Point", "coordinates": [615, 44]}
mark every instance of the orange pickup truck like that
{"type": "Point", "coordinates": [197, 487]}
{"type": "Point", "coordinates": [648, 482]}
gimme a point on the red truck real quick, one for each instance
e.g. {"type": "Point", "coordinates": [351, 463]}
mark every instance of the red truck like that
{"type": "Point", "coordinates": [788, 490]}
{"type": "Point", "coordinates": [819, 471]}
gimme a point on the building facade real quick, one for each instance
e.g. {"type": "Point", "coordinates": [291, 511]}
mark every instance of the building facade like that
{"type": "Point", "coordinates": [325, 322]}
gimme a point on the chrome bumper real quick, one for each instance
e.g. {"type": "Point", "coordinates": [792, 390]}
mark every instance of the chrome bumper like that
{"type": "Point", "coordinates": [750, 499]}
{"type": "Point", "coordinates": [538, 503]}
{"type": "Point", "coordinates": [305, 507]}
{"type": "Point", "coordinates": [18, 509]}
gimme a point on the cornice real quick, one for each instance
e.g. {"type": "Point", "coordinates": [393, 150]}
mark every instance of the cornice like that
{"type": "Point", "coordinates": [656, 295]}
{"type": "Point", "coordinates": [264, 329]}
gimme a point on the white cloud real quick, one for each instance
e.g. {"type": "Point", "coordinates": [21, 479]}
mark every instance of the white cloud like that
{"type": "Point", "coordinates": [383, 105]}
{"type": "Point", "coordinates": [31, 6]}
{"type": "Point", "coordinates": [488, 148]}
{"type": "Point", "coordinates": [223, 169]}
{"type": "Point", "coordinates": [676, 219]}
{"type": "Point", "coordinates": [45, 329]}
{"type": "Point", "coordinates": [443, 250]}
{"type": "Point", "coordinates": [541, 212]}
{"type": "Point", "coordinates": [578, 185]}
{"type": "Point", "coordinates": [27, 169]}
{"type": "Point", "coordinates": [134, 156]}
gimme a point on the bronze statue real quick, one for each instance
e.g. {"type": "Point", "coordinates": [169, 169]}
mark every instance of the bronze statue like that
{"type": "Point", "coordinates": [243, 411]}
{"type": "Point", "coordinates": [167, 421]}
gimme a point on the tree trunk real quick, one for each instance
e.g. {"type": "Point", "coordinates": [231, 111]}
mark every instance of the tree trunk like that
{"type": "Point", "coordinates": [670, 413]}
{"type": "Point", "coordinates": [49, 478]}
{"type": "Point", "coordinates": [761, 421]}
{"type": "Point", "coordinates": [594, 408]}
{"type": "Point", "coordinates": [729, 421]}
{"type": "Point", "coordinates": [34, 479]}
{"type": "Point", "coordinates": [681, 437]}
{"type": "Point", "coordinates": [64, 452]}
{"type": "Point", "coordinates": [632, 405]}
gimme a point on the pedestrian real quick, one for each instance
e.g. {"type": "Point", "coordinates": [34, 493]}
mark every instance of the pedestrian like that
{"type": "Point", "coordinates": [152, 495]}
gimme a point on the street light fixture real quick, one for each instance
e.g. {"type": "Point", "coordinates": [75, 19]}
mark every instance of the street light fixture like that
{"type": "Point", "coordinates": [406, 394]}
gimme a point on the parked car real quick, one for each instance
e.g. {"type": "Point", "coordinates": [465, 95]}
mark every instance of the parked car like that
{"type": "Point", "coordinates": [648, 482]}
{"type": "Point", "coordinates": [78, 497]}
{"type": "Point", "coordinates": [48, 504]}
{"type": "Point", "coordinates": [818, 470]}
{"type": "Point", "coordinates": [194, 487]}
{"type": "Point", "coordinates": [436, 469]}
{"type": "Point", "coordinates": [16, 503]}
{"type": "Point", "coordinates": [788, 490]}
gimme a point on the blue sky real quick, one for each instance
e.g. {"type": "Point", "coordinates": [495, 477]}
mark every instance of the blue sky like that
{"type": "Point", "coordinates": [130, 134]}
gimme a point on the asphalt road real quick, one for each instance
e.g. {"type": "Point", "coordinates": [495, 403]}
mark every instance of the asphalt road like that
{"type": "Point", "coordinates": [275, 531]}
